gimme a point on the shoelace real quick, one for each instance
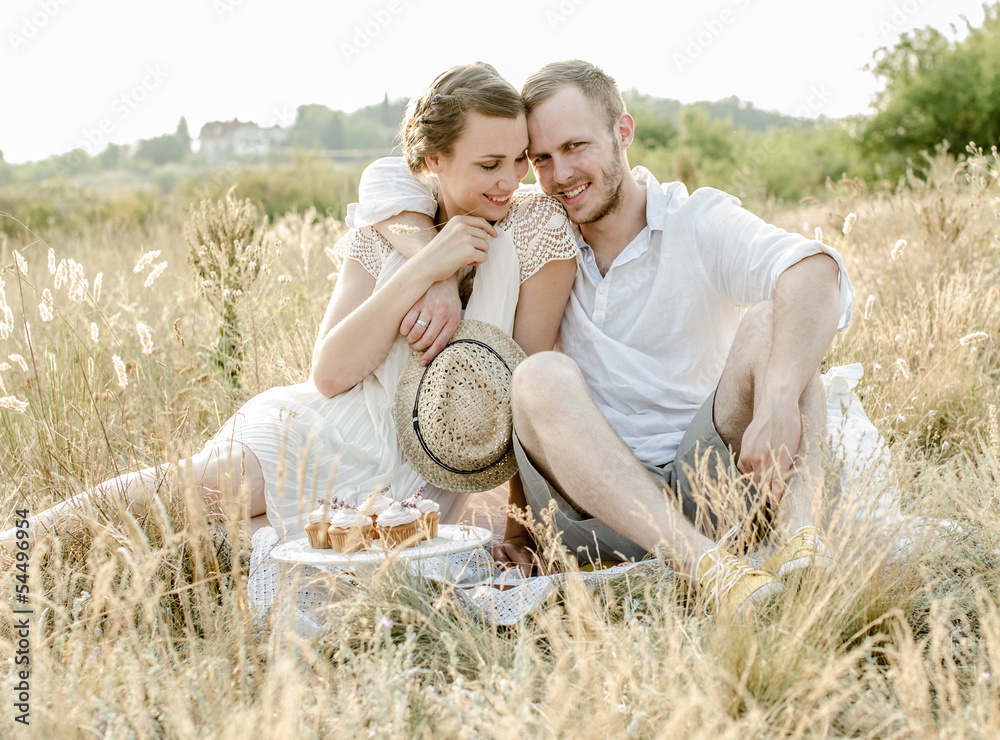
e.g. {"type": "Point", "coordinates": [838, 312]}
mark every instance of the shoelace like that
{"type": "Point", "coordinates": [723, 576]}
{"type": "Point", "coordinates": [811, 537]}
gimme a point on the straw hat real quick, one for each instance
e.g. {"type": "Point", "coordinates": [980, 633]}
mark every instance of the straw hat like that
{"type": "Point", "coordinates": [453, 418]}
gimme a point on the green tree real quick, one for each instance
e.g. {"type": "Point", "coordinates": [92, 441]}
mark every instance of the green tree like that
{"type": "Point", "coordinates": [711, 142]}
{"type": "Point", "coordinates": [317, 127]}
{"type": "Point", "coordinates": [160, 150]}
{"type": "Point", "coordinates": [112, 156]}
{"type": "Point", "coordinates": [387, 114]}
{"type": "Point", "coordinates": [183, 136]}
{"type": "Point", "coordinates": [936, 89]}
{"type": "Point", "coordinates": [653, 129]}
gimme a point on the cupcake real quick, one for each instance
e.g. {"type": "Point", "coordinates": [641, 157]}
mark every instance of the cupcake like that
{"type": "Point", "coordinates": [317, 524]}
{"type": "Point", "coordinates": [375, 505]}
{"type": "Point", "coordinates": [349, 530]}
{"type": "Point", "coordinates": [399, 523]}
{"type": "Point", "coordinates": [430, 514]}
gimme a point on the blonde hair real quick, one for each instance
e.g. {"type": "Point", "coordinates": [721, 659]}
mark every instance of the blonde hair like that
{"type": "Point", "coordinates": [596, 84]}
{"type": "Point", "coordinates": [434, 121]}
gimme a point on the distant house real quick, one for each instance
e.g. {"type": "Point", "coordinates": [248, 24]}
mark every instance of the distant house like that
{"type": "Point", "coordinates": [224, 141]}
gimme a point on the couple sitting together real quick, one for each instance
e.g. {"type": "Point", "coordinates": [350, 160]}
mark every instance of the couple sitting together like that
{"type": "Point", "coordinates": [646, 385]}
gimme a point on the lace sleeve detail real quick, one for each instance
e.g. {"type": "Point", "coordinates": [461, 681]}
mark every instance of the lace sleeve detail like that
{"type": "Point", "coordinates": [540, 230]}
{"type": "Point", "coordinates": [366, 246]}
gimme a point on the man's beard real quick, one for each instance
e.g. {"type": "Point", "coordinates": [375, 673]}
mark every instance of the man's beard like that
{"type": "Point", "coordinates": [616, 174]}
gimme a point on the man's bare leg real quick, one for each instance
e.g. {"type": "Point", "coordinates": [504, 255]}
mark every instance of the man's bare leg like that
{"type": "Point", "coordinates": [576, 449]}
{"type": "Point", "coordinates": [221, 471]}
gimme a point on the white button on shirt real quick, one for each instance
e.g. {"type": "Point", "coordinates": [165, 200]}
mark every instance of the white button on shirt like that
{"type": "Point", "coordinates": [652, 335]}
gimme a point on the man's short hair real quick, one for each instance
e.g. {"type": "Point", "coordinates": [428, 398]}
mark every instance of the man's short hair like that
{"type": "Point", "coordinates": [596, 84]}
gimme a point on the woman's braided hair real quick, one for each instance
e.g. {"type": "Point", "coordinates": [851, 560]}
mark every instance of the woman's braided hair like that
{"type": "Point", "coordinates": [434, 121]}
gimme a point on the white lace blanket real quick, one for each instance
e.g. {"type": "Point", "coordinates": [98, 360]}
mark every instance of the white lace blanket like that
{"type": "Point", "coordinates": [867, 492]}
{"type": "Point", "coordinates": [473, 575]}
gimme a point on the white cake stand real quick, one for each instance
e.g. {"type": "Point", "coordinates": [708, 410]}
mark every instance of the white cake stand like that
{"type": "Point", "coordinates": [451, 538]}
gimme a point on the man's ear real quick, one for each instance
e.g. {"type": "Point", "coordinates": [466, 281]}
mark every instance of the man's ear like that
{"type": "Point", "coordinates": [433, 162]}
{"type": "Point", "coordinates": [625, 130]}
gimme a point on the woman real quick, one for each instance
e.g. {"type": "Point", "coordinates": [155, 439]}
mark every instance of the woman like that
{"type": "Point", "coordinates": [334, 434]}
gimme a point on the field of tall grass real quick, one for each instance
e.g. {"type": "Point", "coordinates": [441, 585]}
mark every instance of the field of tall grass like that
{"type": "Point", "coordinates": [113, 357]}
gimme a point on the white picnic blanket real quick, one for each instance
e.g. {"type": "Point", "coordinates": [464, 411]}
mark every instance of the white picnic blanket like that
{"type": "Point", "coordinates": [482, 588]}
{"type": "Point", "coordinates": [868, 498]}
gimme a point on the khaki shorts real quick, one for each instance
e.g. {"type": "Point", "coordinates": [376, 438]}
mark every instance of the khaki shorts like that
{"type": "Point", "coordinates": [592, 540]}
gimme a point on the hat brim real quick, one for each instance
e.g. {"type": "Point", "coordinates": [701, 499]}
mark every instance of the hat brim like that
{"type": "Point", "coordinates": [420, 433]}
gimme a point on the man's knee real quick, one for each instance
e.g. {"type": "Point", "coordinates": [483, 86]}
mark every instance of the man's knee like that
{"type": "Point", "coordinates": [544, 382]}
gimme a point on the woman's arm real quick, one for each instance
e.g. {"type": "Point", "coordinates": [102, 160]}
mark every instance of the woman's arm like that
{"type": "Point", "coordinates": [361, 324]}
{"type": "Point", "coordinates": [541, 304]}
{"type": "Point", "coordinates": [440, 308]}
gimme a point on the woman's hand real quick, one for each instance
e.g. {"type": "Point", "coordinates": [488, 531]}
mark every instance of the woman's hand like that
{"type": "Point", "coordinates": [464, 240]}
{"type": "Point", "coordinates": [432, 321]}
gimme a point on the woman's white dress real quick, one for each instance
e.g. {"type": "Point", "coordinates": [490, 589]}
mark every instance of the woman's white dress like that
{"type": "Point", "coordinates": [310, 446]}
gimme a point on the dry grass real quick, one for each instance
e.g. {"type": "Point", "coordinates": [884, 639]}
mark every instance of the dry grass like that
{"type": "Point", "coordinates": [142, 628]}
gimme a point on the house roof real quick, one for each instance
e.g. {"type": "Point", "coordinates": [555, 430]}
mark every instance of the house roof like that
{"type": "Point", "coordinates": [224, 129]}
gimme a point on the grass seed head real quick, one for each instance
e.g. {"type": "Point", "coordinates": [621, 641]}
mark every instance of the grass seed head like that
{"type": "Point", "coordinates": [12, 403]}
{"type": "Point", "coordinates": [974, 338]}
{"type": "Point", "coordinates": [154, 273]}
{"type": "Point", "coordinates": [145, 337]}
{"type": "Point", "coordinates": [145, 260]}
{"type": "Point", "coordinates": [897, 251]}
{"type": "Point", "coordinates": [120, 370]}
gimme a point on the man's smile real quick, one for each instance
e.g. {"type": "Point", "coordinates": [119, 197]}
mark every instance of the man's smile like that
{"type": "Point", "coordinates": [572, 193]}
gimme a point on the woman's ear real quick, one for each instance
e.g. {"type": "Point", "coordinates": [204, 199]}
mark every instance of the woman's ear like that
{"type": "Point", "coordinates": [433, 162]}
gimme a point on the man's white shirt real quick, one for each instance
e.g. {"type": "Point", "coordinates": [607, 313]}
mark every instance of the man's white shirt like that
{"type": "Point", "coordinates": [651, 336]}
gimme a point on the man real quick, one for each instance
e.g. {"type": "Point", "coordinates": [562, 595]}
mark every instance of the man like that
{"type": "Point", "coordinates": [659, 381]}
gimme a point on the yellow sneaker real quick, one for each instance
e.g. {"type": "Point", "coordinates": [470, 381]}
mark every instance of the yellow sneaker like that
{"type": "Point", "coordinates": [805, 550]}
{"type": "Point", "coordinates": [730, 584]}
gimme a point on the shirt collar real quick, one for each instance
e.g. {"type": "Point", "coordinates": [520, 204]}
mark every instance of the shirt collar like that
{"type": "Point", "coordinates": [656, 199]}
{"type": "Point", "coordinates": [656, 210]}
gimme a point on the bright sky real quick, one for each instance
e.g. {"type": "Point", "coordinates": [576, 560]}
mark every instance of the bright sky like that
{"type": "Point", "coordinates": [76, 73]}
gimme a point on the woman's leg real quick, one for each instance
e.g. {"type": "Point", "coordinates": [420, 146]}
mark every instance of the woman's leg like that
{"type": "Point", "coordinates": [224, 471]}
